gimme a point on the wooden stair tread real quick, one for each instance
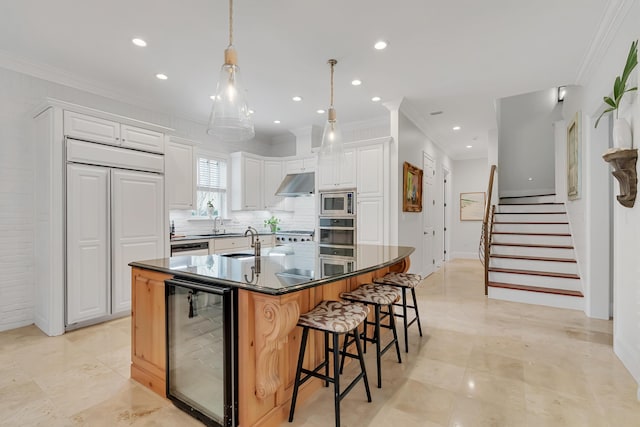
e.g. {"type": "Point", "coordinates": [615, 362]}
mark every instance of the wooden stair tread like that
{"type": "Point", "coordinates": [533, 258]}
{"type": "Point", "coordinates": [532, 234]}
{"type": "Point", "coordinates": [530, 213]}
{"type": "Point", "coordinates": [532, 223]}
{"type": "Point", "coordinates": [533, 245]}
{"type": "Point", "coordinates": [554, 291]}
{"type": "Point", "coordinates": [530, 204]}
{"type": "Point", "coordinates": [534, 273]}
{"type": "Point", "coordinates": [523, 197]}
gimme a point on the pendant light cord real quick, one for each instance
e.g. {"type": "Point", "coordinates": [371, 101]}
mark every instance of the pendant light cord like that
{"type": "Point", "coordinates": [230, 22]}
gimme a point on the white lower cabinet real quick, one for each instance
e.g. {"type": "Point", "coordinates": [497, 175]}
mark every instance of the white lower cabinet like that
{"type": "Point", "coordinates": [370, 228]}
{"type": "Point", "coordinates": [113, 217]}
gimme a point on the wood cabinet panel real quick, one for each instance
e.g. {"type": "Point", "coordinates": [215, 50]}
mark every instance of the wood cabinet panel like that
{"type": "Point", "coordinates": [148, 330]}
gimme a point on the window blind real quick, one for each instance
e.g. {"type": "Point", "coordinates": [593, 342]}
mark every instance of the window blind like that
{"type": "Point", "coordinates": [212, 174]}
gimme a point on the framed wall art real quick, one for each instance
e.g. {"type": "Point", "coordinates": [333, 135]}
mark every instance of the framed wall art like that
{"type": "Point", "coordinates": [573, 158]}
{"type": "Point", "coordinates": [411, 188]}
{"type": "Point", "coordinates": [472, 206]}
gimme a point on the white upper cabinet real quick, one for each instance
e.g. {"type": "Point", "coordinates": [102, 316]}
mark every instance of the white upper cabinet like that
{"type": "Point", "coordinates": [90, 128]}
{"type": "Point", "coordinates": [179, 175]}
{"type": "Point", "coordinates": [94, 129]}
{"type": "Point", "coordinates": [247, 182]}
{"type": "Point", "coordinates": [370, 177]}
{"type": "Point", "coordinates": [273, 174]}
{"type": "Point", "coordinates": [141, 139]}
{"type": "Point", "coordinates": [306, 164]}
{"type": "Point", "coordinates": [338, 175]}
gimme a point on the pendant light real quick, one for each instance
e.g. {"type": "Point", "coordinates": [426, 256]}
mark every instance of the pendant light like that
{"type": "Point", "coordinates": [230, 118]}
{"type": "Point", "coordinates": [331, 156]}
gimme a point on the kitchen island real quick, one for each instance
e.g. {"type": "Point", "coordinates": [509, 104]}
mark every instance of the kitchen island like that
{"type": "Point", "coordinates": [271, 291]}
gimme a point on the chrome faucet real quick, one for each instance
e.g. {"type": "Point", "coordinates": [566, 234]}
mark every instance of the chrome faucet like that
{"type": "Point", "coordinates": [216, 230]}
{"type": "Point", "coordinates": [255, 244]}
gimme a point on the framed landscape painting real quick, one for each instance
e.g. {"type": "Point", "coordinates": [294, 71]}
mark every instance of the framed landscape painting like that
{"type": "Point", "coordinates": [411, 188]}
{"type": "Point", "coordinates": [471, 206]}
{"type": "Point", "coordinates": [573, 158]}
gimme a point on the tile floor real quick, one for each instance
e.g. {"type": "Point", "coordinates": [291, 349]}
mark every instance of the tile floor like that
{"type": "Point", "coordinates": [481, 363]}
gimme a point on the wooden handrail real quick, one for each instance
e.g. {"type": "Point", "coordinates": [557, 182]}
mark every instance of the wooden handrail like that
{"type": "Point", "coordinates": [485, 229]}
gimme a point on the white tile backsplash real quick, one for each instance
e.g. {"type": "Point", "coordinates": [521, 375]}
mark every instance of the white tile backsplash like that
{"type": "Point", "coordinates": [303, 217]}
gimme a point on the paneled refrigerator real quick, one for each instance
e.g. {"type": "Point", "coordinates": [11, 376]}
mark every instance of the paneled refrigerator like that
{"type": "Point", "coordinates": [114, 215]}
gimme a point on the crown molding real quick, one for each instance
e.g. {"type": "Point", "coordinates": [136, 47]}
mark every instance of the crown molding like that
{"type": "Point", "coordinates": [614, 14]}
{"type": "Point", "coordinates": [421, 123]}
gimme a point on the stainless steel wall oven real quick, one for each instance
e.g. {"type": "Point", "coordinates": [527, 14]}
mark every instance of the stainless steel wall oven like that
{"type": "Point", "coordinates": [337, 236]}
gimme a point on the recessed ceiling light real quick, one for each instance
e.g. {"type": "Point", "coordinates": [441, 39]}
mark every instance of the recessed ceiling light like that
{"type": "Point", "coordinates": [320, 111]}
{"type": "Point", "coordinates": [375, 99]}
{"type": "Point", "coordinates": [297, 98]}
{"type": "Point", "coordinates": [380, 45]}
{"type": "Point", "coordinates": [212, 97]}
{"type": "Point", "coordinates": [276, 122]}
{"type": "Point", "coordinates": [356, 82]}
{"type": "Point", "coordinates": [161, 76]}
{"type": "Point", "coordinates": [139, 42]}
{"type": "Point", "coordinates": [457, 128]}
{"type": "Point", "coordinates": [469, 146]}
{"type": "Point", "coordinates": [530, 179]}
{"type": "Point", "coordinates": [251, 111]}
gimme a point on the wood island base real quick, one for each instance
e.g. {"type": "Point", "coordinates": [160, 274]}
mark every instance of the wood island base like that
{"type": "Point", "coordinates": [268, 341]}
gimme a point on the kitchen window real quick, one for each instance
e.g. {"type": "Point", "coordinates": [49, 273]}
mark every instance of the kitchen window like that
{"type": "Point", "coordinates": [211, 188]}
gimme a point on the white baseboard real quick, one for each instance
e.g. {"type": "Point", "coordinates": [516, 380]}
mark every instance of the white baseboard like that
{"type": "Point", "coordinates": [629, 358]}
{"type": "Point", "coordinates": [464, 255]}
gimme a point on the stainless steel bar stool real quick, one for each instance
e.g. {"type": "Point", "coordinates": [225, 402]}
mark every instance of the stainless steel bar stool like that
{"type": "Point", "coordinates": [335, 318]}
{"type": "Point", "coordinates": [378, 296]}
{"type": "Point", "coordinates": [404, 281]}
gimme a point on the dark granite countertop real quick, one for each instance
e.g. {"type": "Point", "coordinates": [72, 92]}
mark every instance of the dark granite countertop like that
{"type": "Point", "coordinates": [199, 237]}
{"type": "Point", "coordinates": [278, 270]}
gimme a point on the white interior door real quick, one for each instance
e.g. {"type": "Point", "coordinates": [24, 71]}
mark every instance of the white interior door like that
{"type": "Point", "coordinates": [428, 215]}
{"type": "Point", "coordinates": [138, 228]}
{"type": "Point", "coordinates": [88, 272]}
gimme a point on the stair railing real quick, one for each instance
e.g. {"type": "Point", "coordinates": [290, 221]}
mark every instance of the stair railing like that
{"type": "Point", "coordinates": [487, 223]}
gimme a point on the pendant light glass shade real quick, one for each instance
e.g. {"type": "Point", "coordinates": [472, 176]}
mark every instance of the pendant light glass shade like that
{"type": "Point", "coordinates": [230, 119]}
{"type": "Point", "coordinates": [331, 155]}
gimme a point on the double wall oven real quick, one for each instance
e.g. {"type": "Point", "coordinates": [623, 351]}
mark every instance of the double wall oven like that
{"type": "Point", "coordinates": [337, 232]}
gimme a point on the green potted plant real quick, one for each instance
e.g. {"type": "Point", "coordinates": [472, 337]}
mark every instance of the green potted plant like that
{"type": "Point", "coordinates": [272, 223]}
{"type": "Point", "coordinates": [211, 210]}
{"type": "Point", "coordinates": [621, 130]}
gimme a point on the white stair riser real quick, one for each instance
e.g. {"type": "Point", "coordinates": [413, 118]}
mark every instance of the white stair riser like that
{"type": "Point", "coordinates": [531, 228]}
{"type": "Point", "coordinates": [519, 200]}
{"type": "Point", "coordinates": [532, 239]}
{"type": "Point", "coordinates": [525, 264]}
{"type": "Point", "coordinates": [539, 298]}
{"type": "Point", "coordinates": [535, 252]}
{"type": "Point", "coordinates": [530, 208]}
{"type": "Point", "coordinates": [532, 217]}
{"type": "Point", "coordinates": [532, 280]}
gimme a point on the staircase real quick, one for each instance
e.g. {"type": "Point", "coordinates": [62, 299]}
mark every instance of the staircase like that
{"type": "Point", "coordinates": [531, 257]}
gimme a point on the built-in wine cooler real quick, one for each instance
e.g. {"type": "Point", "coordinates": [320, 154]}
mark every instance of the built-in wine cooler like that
{"type": "Point", "coordinates": [202, 350]}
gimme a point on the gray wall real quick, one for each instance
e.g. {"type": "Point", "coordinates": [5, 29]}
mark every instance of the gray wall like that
{"type": "Point", "coordinates": [526, 144]}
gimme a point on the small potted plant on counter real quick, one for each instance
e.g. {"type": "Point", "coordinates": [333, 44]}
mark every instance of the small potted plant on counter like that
{"type": "Point", "coordinates": [272, 223]}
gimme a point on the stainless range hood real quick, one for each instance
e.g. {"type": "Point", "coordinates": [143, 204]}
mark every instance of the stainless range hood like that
{"type": "Point", "coordinates": [297, 184]}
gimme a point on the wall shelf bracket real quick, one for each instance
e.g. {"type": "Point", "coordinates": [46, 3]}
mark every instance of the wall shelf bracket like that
{"type": "Point", "coordinates": [624, 170]}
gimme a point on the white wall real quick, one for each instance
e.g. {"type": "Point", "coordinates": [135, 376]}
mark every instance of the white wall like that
{"type": "Point", "coordinates": [599, 197]}
{"type": "Point", "coordinates": [468, 176]}
{"type": "Point", "coordinates": [21, 94]}
{"type": "Point", "coordinates": [412, 142]}
{"type": "Point", "coordinates": [526, 143]}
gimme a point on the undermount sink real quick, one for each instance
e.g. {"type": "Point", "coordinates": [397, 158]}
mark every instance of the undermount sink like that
{"type": "Point", "coordinates": [238, 255]}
